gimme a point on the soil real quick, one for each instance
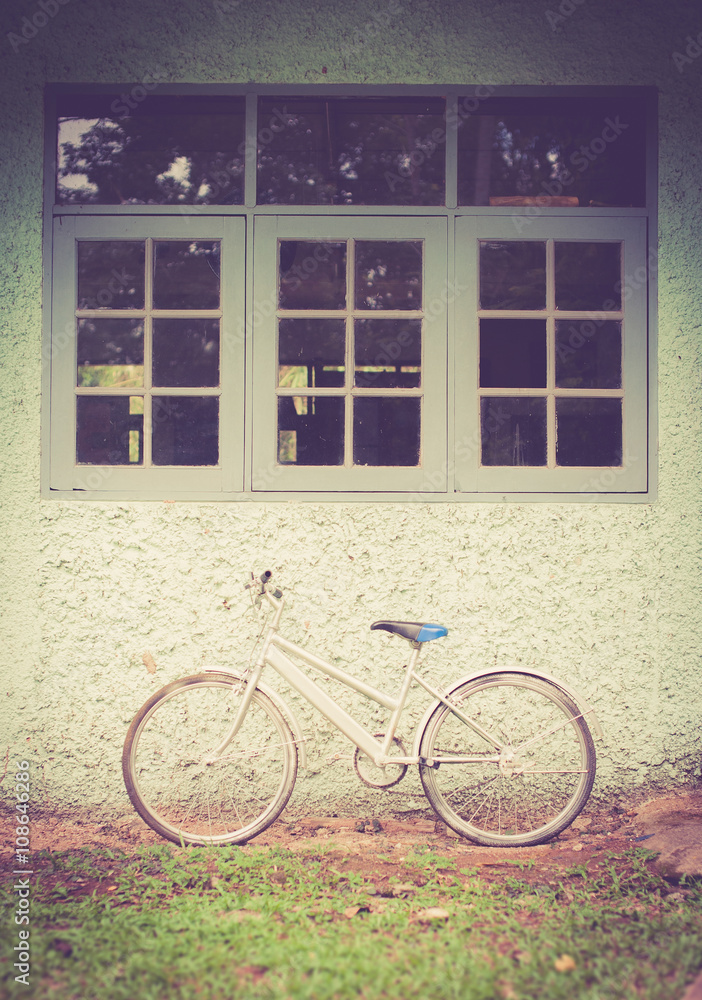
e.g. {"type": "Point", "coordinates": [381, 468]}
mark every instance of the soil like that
{"type": "Point", "coordinates": [375, 848]}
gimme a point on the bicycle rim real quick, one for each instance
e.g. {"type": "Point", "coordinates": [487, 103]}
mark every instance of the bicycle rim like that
{"type": "Point", "coordinates": [527, 791]}
{"type": "Point", "coordinates": [171, 780]}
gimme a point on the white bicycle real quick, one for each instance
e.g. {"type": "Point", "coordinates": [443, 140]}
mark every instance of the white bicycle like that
{"type": "Point", "coordinates": [505, 757]}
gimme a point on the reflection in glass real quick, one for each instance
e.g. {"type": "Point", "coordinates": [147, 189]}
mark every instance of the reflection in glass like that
{"type": "Point", "coordinates": [185, 430]}
{"type": "Point", "coordinates": [350, 151]}
{"type": "Point", "coordinates": [109, 430]}
{"type": "Point", "coordinates": [312, 275]}
{"type": "Point", "coordinates": [110, 352]}
{"type": "Point", "coordinates": [512, 274]}
{"type": "Point", "coordinates": [588, 275]}
{"type": "Point", "coordinates": [311, 352]}
{"type": "Point", "coordinates": [573, 151]}
{"type": "Point", "coordinates": [110, 274]}
{"type": "Point", "coordinates": [589, 432]}
{"type": "Point", "coordinates": [588, 354]}
{"type": "Point", "coordinates": [186, 352]}
{"type": "Point", "coordinates": [186, 274]}
{"type": "Point", "coordinates": [130, 150]}
{"type": "Point", "coordinates": [513, 430]}
{"type": "Point", "coordinates": [386, 430]}
{"type": "Point", "coordinates": [388, 353]}
{"type": "Point", "coordinates": [388, 274]}
{"type": "Point", "coordinates": [310, 430]}
{"type": "Point", "coordinates": [513, 353]}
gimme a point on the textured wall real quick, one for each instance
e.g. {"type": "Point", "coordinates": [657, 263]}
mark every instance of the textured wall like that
{"type": "Point", "coordinates": [603, 595]}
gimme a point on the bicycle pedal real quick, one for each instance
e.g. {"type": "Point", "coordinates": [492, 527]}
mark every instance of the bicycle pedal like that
{"type": "Point", "coordinates": [338, 756]}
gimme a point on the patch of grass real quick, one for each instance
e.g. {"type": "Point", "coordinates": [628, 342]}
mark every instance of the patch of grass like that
{"type": "Point", "coordinates": [267, 923]}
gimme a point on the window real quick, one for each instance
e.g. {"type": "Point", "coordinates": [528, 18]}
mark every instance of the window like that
{"type": "Point", "coordinates": [429, 296]}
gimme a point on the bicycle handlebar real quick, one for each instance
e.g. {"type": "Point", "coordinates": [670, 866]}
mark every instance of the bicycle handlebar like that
{"type": "Point", "coordinates": [260, 583]}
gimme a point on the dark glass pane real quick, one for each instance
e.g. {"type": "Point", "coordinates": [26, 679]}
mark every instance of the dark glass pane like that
{"type": "Point", "coordinates": [388, 353]}
{"type": "Point", "coordinates": [109, 430]}
{"type": "Point", "coordinates": [388, 274]}
{"type": "Point", "coordinates": [512, 275]}
{"type": "Point", "coordinates": [311, 352]}
{"type": "Point", "coordinates": [386, 431]}
{"type": "Point", "coordinates": [513, 353]}
{"type": "Point", "coordinates": [551, 151]}
{"type": "Point", "coordinates": [311, 430]}
{"type": "Point", "coordinates": [373, 151]}
{"type": "Point", "coordinates": [110, 352]}
{"type": "Point", "coordinates": [137, 148]}
{"type": "Point", "coordinates": [185, 430]}
{"type": "Point", "coordinates": [186, 352]}
{"type": "Point", "coordinates": [513, 430]}
{"type": "Point", "coordinates": [589, 432]}
{"type": "Point", "coordinates": [312, 275]}
{"type": "Point", "coordinates": [588, 354]}
{"type": "Point", "coordinates": [110, 274]}
{"type": "Point", "coordinates": [588, 276]}
{"type": "Point", "coordinates": [186, 274]}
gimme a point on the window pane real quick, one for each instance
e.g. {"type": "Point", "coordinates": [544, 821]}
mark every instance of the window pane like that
{"type": "Point", "coordinates": [388, 274]}
{"type": "Point", "coordinates": [374, 151]}
{"type": "Point", "coordinates": [143, 149]}
{"type": "Point", "coordinates": [513, 353]}
{"type": "Point", "coordinates": [588, 276]}
{"type": "Point", "coordinates": [561, 151]}
{"type": "Point", "coordinates": [110, 430]}
{"type": "Point", "coordinates": [186, 352]}
{"type": "Point", "coordinates": [311, 352]}
{"type": "Point", "coordinates": [186, 274]}
{"type": "Point", "coordinates": [386, 431]}
{"type": "Point", "coordinates": [185, 430]}
{"type": "Point", "coordinates": [312, 275]}
{"type": "Point", "coordinates": [588, 354]}
{"type": "Point", "coordinates": [512, 275]}
{"type": "Point", "coordinates": [110, 274]}
{"type": "Point", "coordinates": [110, 352]}
{"type": "Point", "coordinates": [513, 430]}
{"type": "Point", "coordinates": [589, 432]}
{"type": "Point", "coordinates": [311, 430]}
{"type": "Point", "coordinates": [388, 353]}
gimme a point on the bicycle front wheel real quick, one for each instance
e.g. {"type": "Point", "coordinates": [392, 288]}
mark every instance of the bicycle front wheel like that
{"type": "Point", "coordinates": [523, 775]}
{"type": "Point", "coordinates": [185, 794]}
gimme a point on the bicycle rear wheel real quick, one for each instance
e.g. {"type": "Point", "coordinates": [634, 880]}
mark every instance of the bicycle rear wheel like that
{"type": "Point", "coordinates": [176, 787]}
{"type": "Point", "coordinates": [526, 791]}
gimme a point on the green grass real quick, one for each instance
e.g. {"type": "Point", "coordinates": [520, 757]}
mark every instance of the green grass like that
{"type": "Point", "coordinates": [269, 923]}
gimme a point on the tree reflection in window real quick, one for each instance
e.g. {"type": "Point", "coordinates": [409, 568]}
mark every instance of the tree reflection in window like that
{"type": "Point", "coordinates": [167, 151]}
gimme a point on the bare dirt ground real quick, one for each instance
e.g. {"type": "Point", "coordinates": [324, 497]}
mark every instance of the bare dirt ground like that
{"type": "Point", "coordinates": [375, 848]}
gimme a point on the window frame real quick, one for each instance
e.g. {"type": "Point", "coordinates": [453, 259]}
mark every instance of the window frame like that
{"type": "Point", "coordinates": [453, 482]}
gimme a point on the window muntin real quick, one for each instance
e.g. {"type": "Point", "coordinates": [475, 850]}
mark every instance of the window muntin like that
{"type": "Point", "coordinates": [131, 362]}
{"type": "Point", "coordinates": [559, 377]}
{"type": "Point", "coordinates": [171, 289]}
{"type": "Point", "coordinates": [359, 397]}
{"type": "Point", "coordinates": [374, 336]}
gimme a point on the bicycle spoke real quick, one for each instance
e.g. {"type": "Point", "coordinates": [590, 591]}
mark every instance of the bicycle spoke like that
{"type": "Point", "coordinates": [228, 799]}
{"type": "Point", "coordinates": [539, 782]}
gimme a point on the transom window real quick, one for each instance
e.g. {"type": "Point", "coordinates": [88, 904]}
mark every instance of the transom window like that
{"type": "Point", "coordinates": [269, 293]}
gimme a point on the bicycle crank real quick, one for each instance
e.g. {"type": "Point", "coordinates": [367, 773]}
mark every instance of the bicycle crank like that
{"type": "Point", "coordinates": [379, 777]}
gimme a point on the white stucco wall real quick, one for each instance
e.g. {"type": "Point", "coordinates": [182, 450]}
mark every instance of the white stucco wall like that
{"type": "Point", "coordinates": [604, 595]}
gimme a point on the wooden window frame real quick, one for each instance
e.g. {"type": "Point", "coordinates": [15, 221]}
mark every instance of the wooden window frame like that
{"type": "Point", "coordinates": [248, 469]}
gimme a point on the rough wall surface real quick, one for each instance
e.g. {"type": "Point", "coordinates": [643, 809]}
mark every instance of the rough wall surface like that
{"type": "Point", "coordinates": [605, 596]}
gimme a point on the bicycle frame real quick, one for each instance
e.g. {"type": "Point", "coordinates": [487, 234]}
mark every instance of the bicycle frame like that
{"type": "Point", "coordinates": [274, 652]}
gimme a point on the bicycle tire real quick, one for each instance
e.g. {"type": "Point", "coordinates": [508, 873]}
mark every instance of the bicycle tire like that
{"type": "Point", "coordinates": [184, 798]}
{"type": "Point", "coordinates": [516, 803]}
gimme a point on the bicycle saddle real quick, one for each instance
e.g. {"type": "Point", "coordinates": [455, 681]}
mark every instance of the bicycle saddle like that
{"type": "Point", "coordinates": [414, 631]}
